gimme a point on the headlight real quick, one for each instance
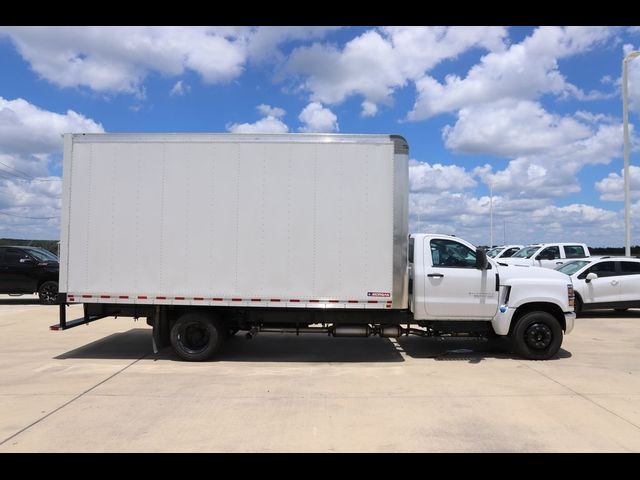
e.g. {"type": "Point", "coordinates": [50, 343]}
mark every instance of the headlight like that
{"type": "Point", "coordinates": [570, 295]}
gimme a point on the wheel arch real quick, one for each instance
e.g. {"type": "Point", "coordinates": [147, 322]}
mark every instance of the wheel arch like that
{"type": "Point", "coordinates": [548, 307]}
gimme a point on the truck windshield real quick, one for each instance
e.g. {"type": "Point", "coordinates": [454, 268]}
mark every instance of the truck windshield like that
{"type": "Point", "coordinates": [526, 252]}
{"type": "Point", "coordinates": [494, 251]}
{"type": "Point", "coordinates": [570, 268]}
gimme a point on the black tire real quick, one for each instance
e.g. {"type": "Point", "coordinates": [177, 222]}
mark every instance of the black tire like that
{"type": "Point", "coordinates": [196, 337]}
{"type": "Point", "coordinates": [537, 336]}
{"type": "Point", "coordinates": [232, 331]}
{"type": "Point", "coordinates": [48, 293]}
{"type": "Point", "coordinates": [621, 309]}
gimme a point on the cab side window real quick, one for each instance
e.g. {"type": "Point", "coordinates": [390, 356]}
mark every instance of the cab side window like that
{"type": "Point", "coordinates": [550, 253]}
{"type": "Point", "coordinates": [448, 253]}
{"type": "Point", "coordinates": [574, 251]}
{"type": "Point", "coordinates": [509, 252]}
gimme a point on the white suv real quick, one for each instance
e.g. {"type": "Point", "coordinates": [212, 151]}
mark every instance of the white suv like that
{"type": "Point", "coordinates": [548, 255]}
{"type": "Point", "coordinates": [605, 282]}
{"type": "Point", "coordinates": [503, 251]}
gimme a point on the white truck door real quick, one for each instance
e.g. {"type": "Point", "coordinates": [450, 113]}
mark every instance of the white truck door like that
{"type": "Point", "coordinates": [549, 258]}
{"type": "Point", "coordinates": [454, 287]}
{"type": "Point", "coordinates": [605, 288]}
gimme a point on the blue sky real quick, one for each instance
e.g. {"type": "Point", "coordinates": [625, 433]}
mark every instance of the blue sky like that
{"type": "Point", "coordinates": [534, 111]}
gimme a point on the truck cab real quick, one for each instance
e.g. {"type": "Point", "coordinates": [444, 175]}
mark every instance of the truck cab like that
{"type": "Point", "coordinates": [453, 282]}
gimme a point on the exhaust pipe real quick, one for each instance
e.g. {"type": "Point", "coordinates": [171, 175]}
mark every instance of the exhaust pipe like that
{"type": "Point", "coordinates": [352, 331]}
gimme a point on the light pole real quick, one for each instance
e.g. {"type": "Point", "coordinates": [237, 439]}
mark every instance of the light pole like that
{"type": "Point", "coordinates": [491, 214]}
{"type": "Point", "coordinates": [625, 131]}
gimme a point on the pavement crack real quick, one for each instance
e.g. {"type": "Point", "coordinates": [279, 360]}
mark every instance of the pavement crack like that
{"type": "Point", "coordinates": [72, 400]}
{"type": "Point", "coordinates": [582, 396]}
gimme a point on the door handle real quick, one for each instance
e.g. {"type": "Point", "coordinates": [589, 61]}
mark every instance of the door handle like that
{"type": "Point", "coordinates": [559, 263]}
{"type": "Point", "coordinates": [614, 282]}
{"type": "Point", "coordinates": [435, 275]}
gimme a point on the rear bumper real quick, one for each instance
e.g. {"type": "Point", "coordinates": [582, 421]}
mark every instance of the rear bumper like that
{"type": "Point", "coordinates": [569, 320]}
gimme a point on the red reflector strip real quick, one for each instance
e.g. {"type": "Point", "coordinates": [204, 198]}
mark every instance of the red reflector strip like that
{"type": "Point", "coordinates": [179, 298]}
{"type": "Point", "coordinates": [86, 296]}
{"type": "Point", "coordinates": [314, 301]}
{"type": "Point", "coordinates": [294, 300]}
{"type": "Point", "coordinates": [124, 296]}
{"type": "Point", "coordinates": [256, 299]}
{"type": "Point", "coordinates": [352, 301]}
{"type": "Point", "coordinates": [105, 296]}
{"type": "Point", "coordinates": [334, 301]}
{"type": "Point", "coordinates": [216, 299]}
{"type": "Point", "coordinates": [274, 300]}
{"type": "Point", "coordinates": [372, 301]}
{"type": "Point", "coordinates": [161, 298]}
{"type": "Point", "coordinates": [198, 298]}
{"type": "Point", "coordinates": [54, 327]}
{"type": "Point", "coordinates": [142, 297]}
{"type": "Point", "coordinates": [236, 299]}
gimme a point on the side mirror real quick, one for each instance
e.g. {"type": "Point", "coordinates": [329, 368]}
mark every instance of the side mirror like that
{"type": "Point", "coordinates": [481, 259]}
{"type": "Point", "coordinates": [591, 276]}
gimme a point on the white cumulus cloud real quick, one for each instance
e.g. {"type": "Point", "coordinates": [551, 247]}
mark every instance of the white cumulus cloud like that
{"type": "Point", "coordinates": [270, 123]}
{"type": "Point", "coordinates": [379, 61]}
{"type": "Point", "coordinates": [525, 70]}
{"type": "Point", "coordinates": [318, 119]}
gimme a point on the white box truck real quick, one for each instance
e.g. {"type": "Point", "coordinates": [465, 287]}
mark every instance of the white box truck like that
{"type": "Point", "coordinates": [206, 235]}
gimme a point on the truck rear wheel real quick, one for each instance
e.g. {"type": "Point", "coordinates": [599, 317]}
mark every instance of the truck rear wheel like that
{"type": "Point", "coordinates": [196, 336]}
{"type": "Point", "coordinates": [537, 336]}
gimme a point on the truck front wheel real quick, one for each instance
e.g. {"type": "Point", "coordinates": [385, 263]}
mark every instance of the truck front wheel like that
{"type": "Point", "coordinates": [196, 337]}
{"type": "Point", "coordinates": [537, 336]}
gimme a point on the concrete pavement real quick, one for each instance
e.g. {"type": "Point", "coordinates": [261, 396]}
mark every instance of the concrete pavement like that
{"type": "Point", "coordinates": [100, 388]}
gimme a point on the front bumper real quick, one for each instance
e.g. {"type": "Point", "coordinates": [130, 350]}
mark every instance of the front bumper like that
{"type": "Point", "coordinates": [569, 320]}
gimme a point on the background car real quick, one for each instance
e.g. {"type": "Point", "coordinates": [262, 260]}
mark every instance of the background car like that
{"type": "Point", "coordinates": [605, 282]}
{"type": "Point", "coordinates": [29, 270]}
{"type": "Point", "coordinates": [503, 251]}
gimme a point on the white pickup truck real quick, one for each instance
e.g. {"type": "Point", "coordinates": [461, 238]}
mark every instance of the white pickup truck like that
{"type": "Point", "coordinates": [207, 235]}
{"type": "Point", "coordinates": [548, 255]}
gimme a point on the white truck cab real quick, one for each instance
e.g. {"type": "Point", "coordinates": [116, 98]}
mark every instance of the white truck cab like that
{"type": "Point", "coordinates": [548, 255]}
{"type": "Point", "coordinates": [449, 283]}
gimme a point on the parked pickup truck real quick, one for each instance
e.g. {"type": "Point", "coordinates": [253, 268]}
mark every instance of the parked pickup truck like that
{"type": "Point", "coordinates": [206, 235]}
{"type": "Point", "coordinates": [548, 255]}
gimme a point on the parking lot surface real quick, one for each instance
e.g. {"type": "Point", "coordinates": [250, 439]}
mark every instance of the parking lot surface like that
{"type": "Point", "coordinates": [100, 388]}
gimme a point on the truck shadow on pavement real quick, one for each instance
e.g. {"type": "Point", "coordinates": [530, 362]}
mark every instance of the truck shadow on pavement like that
{"type": "Point", "coordinates": [471, 351]}
{"type": "Point", "coordinates": [609, 314]}
{"type": "Point", "coordinates": [20, 301]}
{"type": "Point", "coordinates": [272, 347]}
{"type": "Point", "coordinates": [266, 347]}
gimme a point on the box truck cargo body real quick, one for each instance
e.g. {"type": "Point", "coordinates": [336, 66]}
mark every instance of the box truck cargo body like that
{"type": "Point", "coordinates": [301, 221]}
{"type": "Point", "coordinates": [209, 234]}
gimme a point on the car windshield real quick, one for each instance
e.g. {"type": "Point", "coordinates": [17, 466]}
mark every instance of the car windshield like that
{"type": "Point", "coordinates": [494, 251]}
{"type": "Point", "coordinates": [42, 255]}
{"type": "Point", "coordinates": [570, 268]}
{"type": "Point", "coordinates": [526, 252]}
